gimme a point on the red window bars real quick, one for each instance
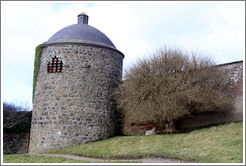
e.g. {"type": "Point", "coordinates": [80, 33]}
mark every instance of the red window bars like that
{"type": "Point", "coordinates": [54, 66]}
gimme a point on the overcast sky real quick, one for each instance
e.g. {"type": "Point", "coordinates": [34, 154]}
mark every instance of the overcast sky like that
{"type": "Point", "coordinates": [215, 29]}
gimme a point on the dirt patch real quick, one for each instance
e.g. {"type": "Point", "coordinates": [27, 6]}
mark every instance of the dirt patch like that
{"type": "Point", "coordinates": [144, 160]}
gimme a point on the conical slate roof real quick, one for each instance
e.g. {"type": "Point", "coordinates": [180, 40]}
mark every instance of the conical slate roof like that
{"type": "Point", "coordinates": [81, 33]}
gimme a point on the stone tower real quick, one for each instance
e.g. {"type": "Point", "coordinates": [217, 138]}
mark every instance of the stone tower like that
{"type": "Point", "coordinates": [72, 103]}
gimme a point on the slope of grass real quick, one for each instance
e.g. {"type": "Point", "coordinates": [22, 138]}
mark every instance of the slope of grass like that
{"type": "Point", "coordinates": [217, 144]}
{"type": "Point", "coordinates": [18, 158]}
{"type": "Point", "coordinates": [25, 158]}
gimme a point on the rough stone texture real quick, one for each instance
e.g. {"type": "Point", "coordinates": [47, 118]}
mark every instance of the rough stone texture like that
{"type": "Point", "coordinates": [15, 143]}
{"type": "Point", "coordinates": [75, 106]}
{"type": "Point", "coordinates": [207, 118]}
{"type": "Point", "coordinates": [236, 69]}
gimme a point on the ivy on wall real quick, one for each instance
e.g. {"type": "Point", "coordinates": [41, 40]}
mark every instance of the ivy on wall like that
{"type": "Point", "coordinates": [37, 61]}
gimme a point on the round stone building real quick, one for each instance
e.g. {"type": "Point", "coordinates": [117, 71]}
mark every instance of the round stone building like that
{"type": "Point", "coordinates": [72, 102]}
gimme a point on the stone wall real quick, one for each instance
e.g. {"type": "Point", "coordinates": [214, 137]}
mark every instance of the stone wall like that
{"type": "Point", "coordinates": [207, 118]}
{"type": "Point", "coordinates": [234, 114]}
{"type": "Point", "coordinates": [75, 106]}
{"type": "Point", "coordinates": [15, 143]}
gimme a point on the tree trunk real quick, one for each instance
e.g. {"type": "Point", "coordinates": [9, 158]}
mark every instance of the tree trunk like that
{"type": "Point", "coordinates": [170, 127]}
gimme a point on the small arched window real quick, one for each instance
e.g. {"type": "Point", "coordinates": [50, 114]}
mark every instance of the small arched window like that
{"type": "Point", "coordinates": [55, 65]}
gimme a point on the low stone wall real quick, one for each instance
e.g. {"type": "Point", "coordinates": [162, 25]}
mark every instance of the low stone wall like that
{"type": "Point", "coordinates": [15, 143]}
{"type": "Point", "coordinates": [234, 114]}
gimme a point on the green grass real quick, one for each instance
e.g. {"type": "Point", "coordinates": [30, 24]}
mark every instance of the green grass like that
{"type": "Point", "coordinates": [18, 158]}
{"type": "Point", "coordinates": [217, 144]}
{"type": "Point", "coordinates": [25, 158]}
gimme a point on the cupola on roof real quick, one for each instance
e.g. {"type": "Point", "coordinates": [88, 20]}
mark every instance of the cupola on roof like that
{"type": "Point", "coordinates": [81, 33]}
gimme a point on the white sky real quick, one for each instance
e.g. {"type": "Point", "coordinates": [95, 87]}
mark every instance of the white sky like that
{"type": "Point", "coordinates": [215, 29]}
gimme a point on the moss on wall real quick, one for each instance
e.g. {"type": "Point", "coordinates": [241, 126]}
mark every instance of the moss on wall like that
{"type": "Point", "coordinates": [37, 61]}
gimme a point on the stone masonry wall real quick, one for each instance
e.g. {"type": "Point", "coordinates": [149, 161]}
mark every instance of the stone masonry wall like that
{"type": "Point", "coordinates": [74, 106]}
{"type": "Point", "coordinates": [15, 143]}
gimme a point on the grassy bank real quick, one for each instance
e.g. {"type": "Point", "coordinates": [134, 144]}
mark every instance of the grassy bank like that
{"type": "Point", "coordinates": [18, 158]}
{"type": "Point", "coordinates": [25, 158]}
{"type": "Point", "coordinates": [218, 144]}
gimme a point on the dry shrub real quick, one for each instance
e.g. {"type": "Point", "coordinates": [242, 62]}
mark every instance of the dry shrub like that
{"type": "Point", "coordinates": [16, 118]}
{"type": "Point", "coordinates": [171, 85]}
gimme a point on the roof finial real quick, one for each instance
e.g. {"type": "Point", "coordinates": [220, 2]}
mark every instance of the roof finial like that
{"type": "Point", "coordinates": [83, 18]}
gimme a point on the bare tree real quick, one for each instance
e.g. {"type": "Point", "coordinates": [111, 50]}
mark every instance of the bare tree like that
{"type": "Point", "coordinates": [14, 114]}
{"type": "Point", "coordinates": [171, 85]}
